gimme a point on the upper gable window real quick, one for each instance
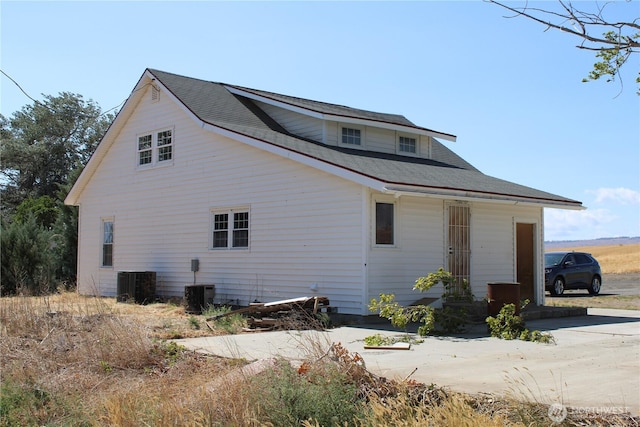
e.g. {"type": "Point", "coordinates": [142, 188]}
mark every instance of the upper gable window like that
{"type": "Point", "coordinates": [145, 149]}
{"type": "Point", "coordinates": [165, 145]}
{"type": "Point", "coordinates": [351, 136]}
{"type": "Point", "coordinates": [155, 148]}
{"type": "Point", "coordinates": [407, 145]}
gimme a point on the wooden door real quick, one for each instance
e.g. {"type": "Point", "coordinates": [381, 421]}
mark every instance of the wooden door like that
{"type": "Point", "coordinates": [525, 260]}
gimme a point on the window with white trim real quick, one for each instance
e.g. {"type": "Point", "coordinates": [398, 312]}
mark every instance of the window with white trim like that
{"type": "Point", "coordinates": [155, 148]}
{"type": "Point", "coordinates": [230, 228]}
{"type": "Point", "coordinates": [145, 149]}
{"type": "Point", "coordinates": [407, 144]}
{"type": "Point", "coordinates": [164, 143]}
{"type": "Point", "coordinates": [351, 136]}
{"type": "Point", "coordinates": [107, 242]}
{"type": "Point", "coordinates": [385, 223]}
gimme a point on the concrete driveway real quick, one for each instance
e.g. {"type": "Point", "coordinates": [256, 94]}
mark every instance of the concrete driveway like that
{"type": "Point", "coordinates": [594, 365]}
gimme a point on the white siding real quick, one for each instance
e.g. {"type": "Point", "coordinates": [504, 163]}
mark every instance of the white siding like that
{"type": "Point", "coordinates": [381, 140]}
{"type": "Point", "coordinates": [307, 228]}
{"type": "Point", "coordinates": [493, 243]}
{"type": "Point", "coordinates": [420, 247]}
{"type": "Point", "coordinates": [419, 250]}
{"type": "Point", "coordinates": [331, 130]}
{"type": "Point", "coordinates": [305, 225]}
{"type": "Point", "coordinates": [296, 123]}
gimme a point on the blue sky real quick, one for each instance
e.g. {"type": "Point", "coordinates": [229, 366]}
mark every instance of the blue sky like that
{"type": "Point", "coordinates": [510, 91]}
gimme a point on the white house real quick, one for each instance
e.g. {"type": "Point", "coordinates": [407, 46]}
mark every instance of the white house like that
{"type": "Point", "coordinates": [280, 197]}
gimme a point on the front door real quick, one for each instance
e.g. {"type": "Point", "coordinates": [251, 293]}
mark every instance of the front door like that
{"type": "Point", "coordinates": [459, 242]}
{"type": "Point", "coordinates": [525, 260]}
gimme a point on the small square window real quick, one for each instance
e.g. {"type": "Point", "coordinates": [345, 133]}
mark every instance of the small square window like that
{"type": "Point", "coordinates": [407, 145]}
{"type": "Point", "coordinates": [351, 136]}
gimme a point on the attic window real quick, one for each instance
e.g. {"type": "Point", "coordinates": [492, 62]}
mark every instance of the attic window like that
{"type": "Point", "coordinates": [155, 93]}
{"type": "Point", "coordinates": [144, 150]}
{"type": "Point", "coordinates": [351, 136]}
{"type": "Point", "coordinates": [165, 146]}
{"type": "Point", "coordinates": [155, 148]}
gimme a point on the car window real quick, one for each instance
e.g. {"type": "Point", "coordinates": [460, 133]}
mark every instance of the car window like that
{"type": "Point", "coordinates": [570, 259]}
{"type": "Point", "coordinates": [552, 259]}
{"type": "Point", "coordinates": [582, 259]}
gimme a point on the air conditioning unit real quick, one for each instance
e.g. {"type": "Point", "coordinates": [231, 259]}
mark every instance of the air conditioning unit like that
{"type": "Point", "coordinates": [198, 297]}
{"type": "Point", "coordinates": [139, 286]}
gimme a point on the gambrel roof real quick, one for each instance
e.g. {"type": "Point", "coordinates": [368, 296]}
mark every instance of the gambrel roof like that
{"type": "Point", "coordinates": [231, 110]}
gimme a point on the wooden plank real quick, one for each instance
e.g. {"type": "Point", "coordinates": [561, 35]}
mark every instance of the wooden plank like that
{"type": "Point", "coordinates": [396, 346]}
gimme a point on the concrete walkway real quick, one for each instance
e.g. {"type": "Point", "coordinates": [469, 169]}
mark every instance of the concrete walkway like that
{"type": "Point", "coordinates": [594, 365]}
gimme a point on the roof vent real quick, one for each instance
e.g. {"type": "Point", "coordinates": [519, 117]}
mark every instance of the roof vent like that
{"type": "Point", "coordinates": [155, 93]}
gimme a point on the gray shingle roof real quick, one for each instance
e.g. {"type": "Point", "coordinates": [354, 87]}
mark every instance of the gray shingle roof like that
{"type": "Point", "coordinates": [214, 104]}
{"type": "Point", "coordinates": [333, 109]}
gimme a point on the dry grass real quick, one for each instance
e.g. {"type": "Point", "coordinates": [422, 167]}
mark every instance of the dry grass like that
{"type": "Point", "coordinates": [83, 361]}
{"type": "Point", "coordinates": [613, 259]}
{"type": "Point", "coordinates": [616, 302]}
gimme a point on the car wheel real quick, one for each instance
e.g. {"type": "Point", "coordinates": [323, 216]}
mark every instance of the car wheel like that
{"type": "Point", "coordinates": [558, 286]}
{"type": "Point", "coordinates": [596, 284]}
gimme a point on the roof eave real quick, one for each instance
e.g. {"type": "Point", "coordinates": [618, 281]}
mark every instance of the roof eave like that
{"type": "Point", "coordinates": [108, 139]}
{"type": "Point", "coordinates": [469, 195]}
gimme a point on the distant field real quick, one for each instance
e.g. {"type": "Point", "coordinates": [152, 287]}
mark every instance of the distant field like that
{"type": "Point", "coordinates": [613, 259]}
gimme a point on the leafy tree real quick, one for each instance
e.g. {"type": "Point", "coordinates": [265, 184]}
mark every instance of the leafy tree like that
{"type": "Point", "coordinates": [613, 41]}
{"type": "Point", "coordinates": [43, 148]}
{"type": "Point", "coordinates": [44, 209]}
{"type": "Point", "coordinates": [65, 237]}
{"type": "Point", "coordinates": [44, 142]}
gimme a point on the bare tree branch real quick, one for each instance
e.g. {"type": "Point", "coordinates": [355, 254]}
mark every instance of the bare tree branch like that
{"type": "Point", "coordinates": [614, 45]}
{"type": "Point", "coordinates": [571, 16]}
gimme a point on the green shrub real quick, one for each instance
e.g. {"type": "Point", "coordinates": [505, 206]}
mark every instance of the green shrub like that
{"type": "Point", "coordinates": [323, 395]}
{"type": "Point", "coordinates": [509, 326]}
{"type": "Point", "coordinates": [30, 405]}
{"type": "Point", "coordinates": [451, 320]}
{"type": "Point", "coordinates": [26, 261]}
{"type": "Point", "coordinates": [194, 322]}
{"type": "Point", "coordinates": [400, 316]}
{"type": "Point", "coordinates": [232, 323]}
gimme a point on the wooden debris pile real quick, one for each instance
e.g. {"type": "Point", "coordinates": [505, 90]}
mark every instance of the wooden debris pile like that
{"type": "Point", "coordinates": [296, 313]}
{"type": "Point", "coordinates": [372, 386]}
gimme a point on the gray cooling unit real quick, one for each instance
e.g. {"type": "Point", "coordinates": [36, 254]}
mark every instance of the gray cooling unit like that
{"type": "Point", "coordinates": [198, 297]}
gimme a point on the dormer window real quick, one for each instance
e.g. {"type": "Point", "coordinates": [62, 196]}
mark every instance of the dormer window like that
{"type": "Point", "coordinates": [407, 145]}
{"type": "Point", "coordinates": [351, 136]}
